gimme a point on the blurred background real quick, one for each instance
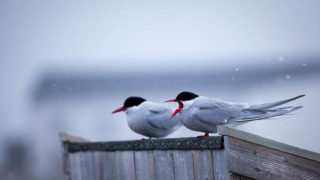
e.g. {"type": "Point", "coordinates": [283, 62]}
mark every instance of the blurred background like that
{"type": "Point", "coordinates": [66, 65]}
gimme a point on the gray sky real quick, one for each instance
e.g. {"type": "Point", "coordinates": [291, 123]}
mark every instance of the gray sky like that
{"type": "Point", "coordinates": [144, 33]}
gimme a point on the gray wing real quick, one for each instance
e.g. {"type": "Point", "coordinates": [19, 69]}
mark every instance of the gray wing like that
{"type": "Point", "coordinates": [158, 117]}
{"type": "Point", "coordinates": [213, 111]}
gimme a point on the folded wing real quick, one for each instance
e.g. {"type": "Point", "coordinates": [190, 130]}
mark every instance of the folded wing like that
{"type": "Point", "coordinates": [158, 117]}
{"type": "Point", "coordinates": [214, 111]}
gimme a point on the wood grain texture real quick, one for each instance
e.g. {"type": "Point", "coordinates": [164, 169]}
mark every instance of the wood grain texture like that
{"type": "Point", "coordinates": [163, 165]}
{"type": "Point", "coordinates": [229, 131]}
{"type": "Point", "coordinates": [260, 162]}
{"type": "Point", "coordinates": [75, 166]}
{"type": "Point", "coordinates": [108, 165]}
{"type": "Point", "coordinates": [203, 165]}
{"type": "Point", "coordinates": [125, 165]}
{"type": "Point", "coordinates": [89, 167]}
{"type": "Point", "coordinates": [220, 165]}
{"type": "Point", "coordinates": [84, 166]}
{"type": "Point", "coordinates": [183, 165]}
{"type": "Point", "coordinates": [144, 164]}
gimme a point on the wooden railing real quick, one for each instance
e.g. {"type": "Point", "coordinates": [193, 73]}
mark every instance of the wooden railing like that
{"type": "Point", "coordinates": [233, 154]}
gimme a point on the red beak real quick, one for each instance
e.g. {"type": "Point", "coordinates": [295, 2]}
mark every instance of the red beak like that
{"type": "Point", "coordinates": [119, 110]}
{"type": "Point", "coordinates": [177, 110]}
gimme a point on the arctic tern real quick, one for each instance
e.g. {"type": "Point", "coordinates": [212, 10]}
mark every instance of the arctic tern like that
{"type": "Point", "coordinates": [203, 114]}
{"type": "Point", "coordinates": [148, 118]}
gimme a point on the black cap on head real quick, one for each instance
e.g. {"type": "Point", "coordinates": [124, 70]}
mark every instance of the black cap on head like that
{"type": "Point", "coordinates": [185, 96]}
{"type": "Point", "coordinates": [133, 101]}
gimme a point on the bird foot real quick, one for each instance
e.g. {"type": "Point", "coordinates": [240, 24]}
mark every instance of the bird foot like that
{"type": "Point", "coordinates": [205, 135]}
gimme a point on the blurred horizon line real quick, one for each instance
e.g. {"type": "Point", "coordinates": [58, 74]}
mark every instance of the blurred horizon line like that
{"type": "Point", "coordinates": [127, 66]}
{"type": "Point", "coordinates": [65, 84]}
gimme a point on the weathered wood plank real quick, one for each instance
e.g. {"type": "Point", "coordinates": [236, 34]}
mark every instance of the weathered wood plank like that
{"type": "Point", "coordinates": [203, 165]}
{"type": "Point", "coordinates": [190, 158]}
{"type": "Point", "coordinates": [96, 165]}
{"type": "Point", "coordinates": [229, 131]}
{"type": "Point", "coordinates": [144, 164]}
{"type": "Point", "coordinates": [75, 166]}
{"type": "Point", "coordinates": [163, 165]}
{"type": "Point", "coordinates": [261, 162]}
{"type": "Point", "coordinates": [125, 165]}
{"type": "Point", "coordinates": [108, 165]}
{"type": "Point", "coordinates": [220, 165]}
{"type": "Point", "coordinates": [89, 166]}
{"type": "Point", "coordinates": [183, 165]}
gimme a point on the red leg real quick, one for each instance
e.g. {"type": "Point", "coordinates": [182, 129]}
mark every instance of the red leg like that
{"type": "Point", "coordinates": [205, 135]}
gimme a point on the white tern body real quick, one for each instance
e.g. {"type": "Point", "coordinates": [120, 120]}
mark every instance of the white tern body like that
{"type": "Point", "coordinates": [152, 119]}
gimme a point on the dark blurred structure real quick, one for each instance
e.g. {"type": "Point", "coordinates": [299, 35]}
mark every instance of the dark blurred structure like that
{"type": "Point", "coordinates": [59, 85]}
{"type": "Point", "coordinates": [16, 160]}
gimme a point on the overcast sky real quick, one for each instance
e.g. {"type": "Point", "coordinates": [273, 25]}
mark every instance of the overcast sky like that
{"type": "Point", "coordinates": [122, 34]}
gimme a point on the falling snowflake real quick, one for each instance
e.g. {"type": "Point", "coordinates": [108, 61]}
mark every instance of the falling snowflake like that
{"type": "Point", "coordinates": [281, 58]}
{"type": "Point", "coordinates": [288, 76]}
